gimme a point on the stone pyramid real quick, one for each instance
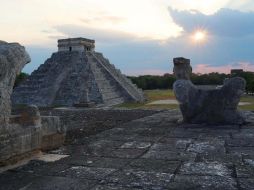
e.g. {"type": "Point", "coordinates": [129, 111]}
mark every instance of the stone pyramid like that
{"type": "Point", "coordinates": [76, 74]}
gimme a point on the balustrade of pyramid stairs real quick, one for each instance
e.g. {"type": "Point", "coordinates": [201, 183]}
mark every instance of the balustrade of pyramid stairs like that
{"type": "Point", "coordinates": [107, 87]}
{"type": "Point", "coordinates": [118, 72]}
{"type": "Point", "coordinates": [122, 79]}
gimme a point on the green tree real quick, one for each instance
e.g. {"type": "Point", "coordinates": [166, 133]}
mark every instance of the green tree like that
{"type": "Point", "coordinates": [19, 78]}
{"type": "Point", "coordinates": [166, 81]}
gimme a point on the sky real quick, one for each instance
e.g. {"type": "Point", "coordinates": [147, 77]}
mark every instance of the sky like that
{"type": "Point", "coordinates": [137, 36]}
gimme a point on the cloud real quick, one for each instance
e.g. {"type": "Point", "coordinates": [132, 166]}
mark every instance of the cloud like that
{"type": "Point", "coordinates": [230, 39]}
{"type": "Point", "coordinates": [245, 5]}
{"type": "Point", "coordinates": [225, 22]}
{"type": "Point", "coordinates": [230, 44]}
{"type": "Point", "coordinates": [101, 35]}
{"type": "Point", "coordinates": [204, 6]}
{"type": "Point", "coordinates": [145, 72]}
{"type": "Point", "coordinates": [205, 68]}
{"type": "Point", "coordinates": [129, 53]}
{"type": "Point", "coordinates": [246, 66]}
{"type": "Point", "coordinates": [103, 18]}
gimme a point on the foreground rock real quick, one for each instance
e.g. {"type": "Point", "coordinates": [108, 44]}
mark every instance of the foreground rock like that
{"type": "Point", "coordinates": [218, 106]}
{"type": "Point", "coordinates": [22, 134]}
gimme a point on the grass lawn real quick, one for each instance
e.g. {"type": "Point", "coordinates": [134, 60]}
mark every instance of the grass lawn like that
{"type": "Point", "coordinates": [249, 99]}
{"type": "Point", "coordinates": [153, 95]}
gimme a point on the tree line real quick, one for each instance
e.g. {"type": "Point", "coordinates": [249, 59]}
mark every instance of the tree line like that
{"type": "Point", "coordinates": [149, 82]}
{"type": "Point", "coordinates": [19, 78]}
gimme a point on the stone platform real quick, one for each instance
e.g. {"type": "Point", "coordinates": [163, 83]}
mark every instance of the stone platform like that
{"type": "Point", "coordinates": [153, 152]}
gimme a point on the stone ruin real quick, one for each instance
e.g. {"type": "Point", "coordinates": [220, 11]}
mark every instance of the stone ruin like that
{"type": "Point", "coordinates": [217, 106]}
{"type": "Point", "coordinates": [76, 75]}
{"type": "Point", "coordinates": [27, 131]}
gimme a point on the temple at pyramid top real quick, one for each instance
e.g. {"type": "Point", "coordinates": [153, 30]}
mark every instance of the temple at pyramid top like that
{"type": "Point", "coordinates": [76, 44]}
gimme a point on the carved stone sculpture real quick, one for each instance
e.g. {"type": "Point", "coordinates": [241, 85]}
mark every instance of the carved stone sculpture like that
{"type": "Point", "coordinates": [27, 131]}
{"type": "Point", "coordinates": [182, 68]}
{"type": "Point", "coordinates": [13, 58]}
{"type": "Point", "coordinates": [216, 106]}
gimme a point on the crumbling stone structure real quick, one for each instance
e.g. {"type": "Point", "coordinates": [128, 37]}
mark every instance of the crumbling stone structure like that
{"type": "Point", "coordinates": [217, 106]}
{"type": "Point", "coordinates": [76, 75]}
{"type": "Point", "coordinates": [26, 132]}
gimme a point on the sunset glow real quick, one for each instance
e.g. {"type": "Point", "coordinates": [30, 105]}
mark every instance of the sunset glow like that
{"type": "Point", "coordinates": [199, 36]}
{"type": "Point", "coordinates": [137, 36]}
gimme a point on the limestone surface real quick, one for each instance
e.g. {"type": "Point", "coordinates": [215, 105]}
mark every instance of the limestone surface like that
{"type": "Point", "coordinates": [182, 68]}
{"type": "Point", "coordinates": [215, 106]}
{"type": "Point", "coordinates": [152, 153]}
{"type": "Point", "coordinates": [13, 57]}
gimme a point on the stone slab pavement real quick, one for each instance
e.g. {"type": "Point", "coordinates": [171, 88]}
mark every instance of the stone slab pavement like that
{"type": "Point", "coordinates": [153, 152]}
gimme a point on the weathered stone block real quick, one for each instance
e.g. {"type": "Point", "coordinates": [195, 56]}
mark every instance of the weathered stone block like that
{"type": "Point", "coordinates": [29, 116]}
{"type": "Point", "coordinates": [204, 182]}
{"type": "Point", "coordinates": [182, 68]}
{"type": "Point", "coordinates": [53, 133]}
{"type": "Point", "coordinates": [217, 106]}
{"type": "Point", "coordinates": [205, 169]}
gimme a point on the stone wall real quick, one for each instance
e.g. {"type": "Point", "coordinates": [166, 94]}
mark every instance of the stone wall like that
{"type": "Point", "coordinates": [71, 48]}
{"type": "Point", "coordinates": [22, 140]}
{"type": "Point", "coordinates": [84, 122]}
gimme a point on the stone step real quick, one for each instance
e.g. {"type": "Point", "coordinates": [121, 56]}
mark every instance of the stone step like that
{"type": "Point", "coordinates": [31, 88]}
{"type": "Point", "coordinates": [124, 81]}
{"type": "Point", "coordinates": [109, 99]}
{"type": "Point", "coordinates": [30, 82]}
{"type": "Point", "coordinates": [114, 101]}
{"type": "Point", "coordinates": [110, 95]}
{"type": "Point", "coordinates": [106, 89]}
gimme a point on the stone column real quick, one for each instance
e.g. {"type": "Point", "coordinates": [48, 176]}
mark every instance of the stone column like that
{"type": "Point", "coordinates": [216, 106]}
{"type": "Point", "coordinates": [182, 68]}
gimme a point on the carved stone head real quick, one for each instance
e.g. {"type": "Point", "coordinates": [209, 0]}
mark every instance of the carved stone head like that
{"type": "Point", "coordinates": [182, 68]}
{"type": "Point", "coordinates": [13, 58]}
